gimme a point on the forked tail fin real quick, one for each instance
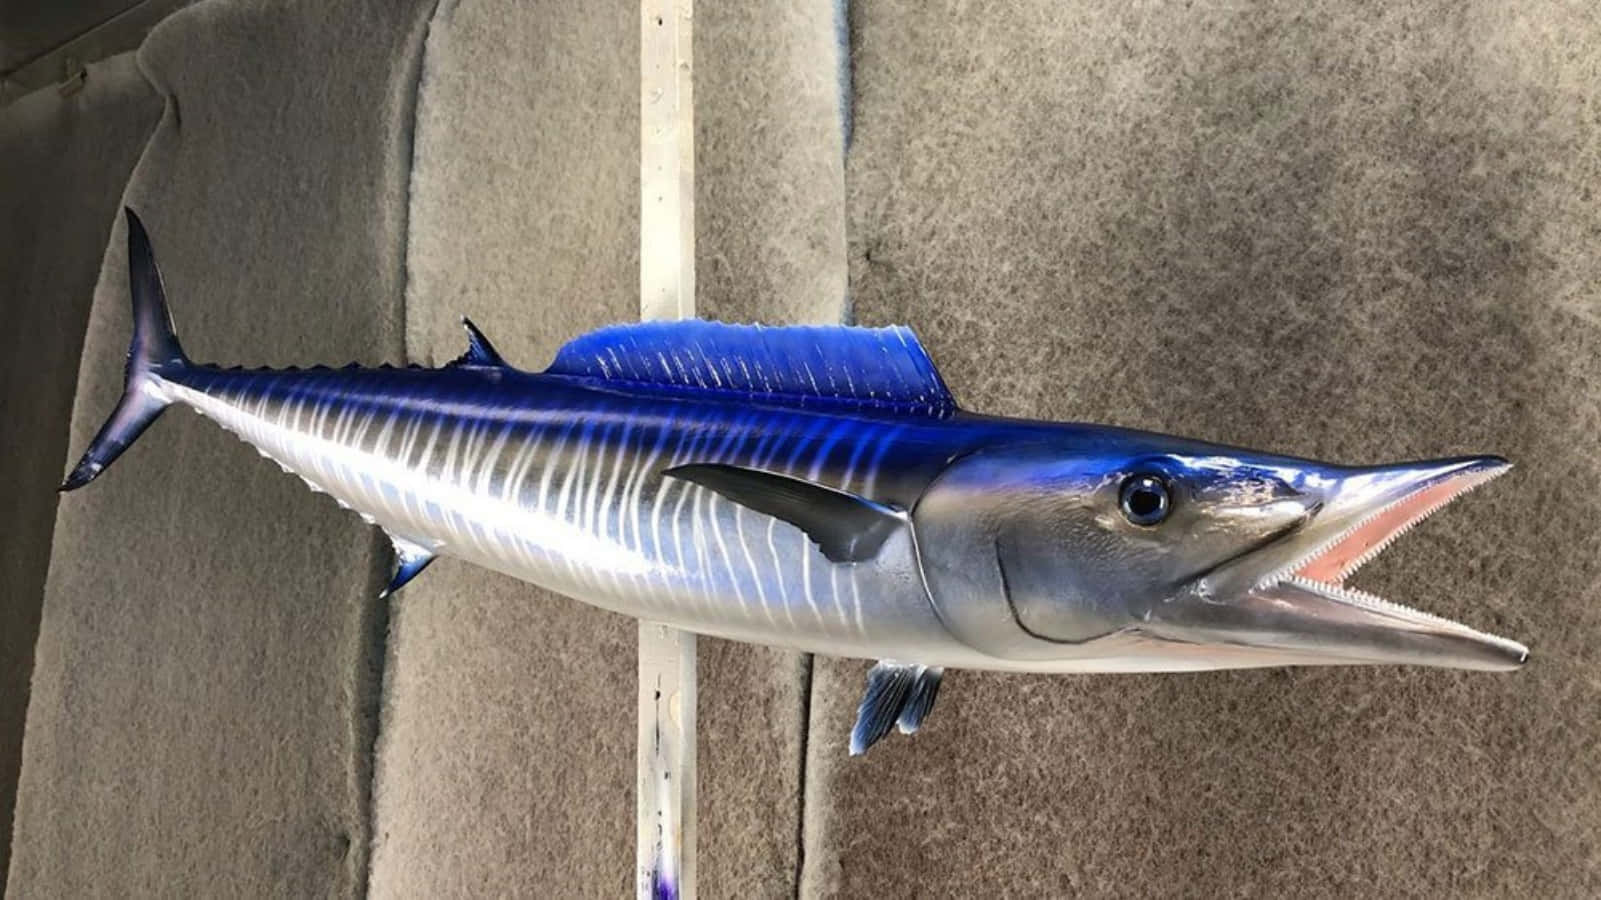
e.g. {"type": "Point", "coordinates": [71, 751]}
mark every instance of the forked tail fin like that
{"type": "Point", "coordinates": [153, 352]}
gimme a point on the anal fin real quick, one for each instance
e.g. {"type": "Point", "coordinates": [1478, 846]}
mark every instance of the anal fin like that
{"type": "Point", "coordinates": [410, 559]}
{"type": "Point", "coordinates": [898, 695]}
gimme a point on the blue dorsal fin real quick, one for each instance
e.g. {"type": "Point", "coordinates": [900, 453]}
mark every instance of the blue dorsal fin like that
{"type": "Point", "coordinates": [801, 365]}
{"type": "Point", "coordinates": [479, 351]}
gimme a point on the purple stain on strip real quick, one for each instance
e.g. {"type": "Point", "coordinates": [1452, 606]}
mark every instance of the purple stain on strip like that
{"type": "Point", "coordinates": [661, 885]}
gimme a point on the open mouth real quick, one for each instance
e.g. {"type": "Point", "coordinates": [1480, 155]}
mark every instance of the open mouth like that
{"type": "Point", "coordinates": [1324, 569]}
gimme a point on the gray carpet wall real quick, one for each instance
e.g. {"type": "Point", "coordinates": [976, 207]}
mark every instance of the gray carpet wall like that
{"type": "Point", "coordinates": [1355, 233]}
{"type": "Point", "coordinates": [1350, 233]}
{"type": "Point", "coordinates": [769, 181]}
{"type": "Point", "coordinates": [66, 159]}
{"type": "Point", "coordinates": [204, 696]}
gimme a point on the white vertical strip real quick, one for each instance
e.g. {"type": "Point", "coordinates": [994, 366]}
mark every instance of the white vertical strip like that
{"type": "Point", "coordinates": [666, 162]}
{"type": "Point", "coordinates": [664, 807]}
{"type": "Point", "coordinates": [665, 811]}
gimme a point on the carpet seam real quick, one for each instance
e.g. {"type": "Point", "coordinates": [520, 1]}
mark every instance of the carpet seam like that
{"type": "Point", "coordinates": [807, 663]}
{"type": "Point", "coordinates": [380, 611]}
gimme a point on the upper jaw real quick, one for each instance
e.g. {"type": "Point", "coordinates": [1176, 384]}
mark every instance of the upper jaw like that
{"type": "Point", "coordinates": [1290, 597]}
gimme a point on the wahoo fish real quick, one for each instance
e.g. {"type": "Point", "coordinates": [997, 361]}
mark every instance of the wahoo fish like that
{"type": "Point", "coordinates": [817, 488]}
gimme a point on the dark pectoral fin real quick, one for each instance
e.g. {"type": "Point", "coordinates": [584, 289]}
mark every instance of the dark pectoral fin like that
{"type": "Point", "coordinates": [898, 694]}
{"type": "Point", "coordinates": [847, 528]}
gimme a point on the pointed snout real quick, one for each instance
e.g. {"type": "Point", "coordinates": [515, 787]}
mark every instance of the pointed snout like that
{"type": "Point", "coordinates": [1299, 622]}
{"type": "Point", "coordinates": [1357, 492]}
{"type": "Point", "coordinates": [1289, 601]}
{"type": "Point", "coordinates": [1339, 626]}
{"type": "Point", "coordinates": [1352, 513]}
{"type": "Point", "coordinates": [1363, 509]}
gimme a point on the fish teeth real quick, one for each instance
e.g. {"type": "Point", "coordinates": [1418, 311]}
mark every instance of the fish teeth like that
{"type": "Point", "coordinates": [1286, 572]}
{"type": "Point", "coordinates": [1365, 600]}
{"type": "Point", "coordinates": [1472, 482]}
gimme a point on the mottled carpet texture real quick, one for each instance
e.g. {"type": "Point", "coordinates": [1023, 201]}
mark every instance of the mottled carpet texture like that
{"type": "Point", "coordinates": [1351, 233]}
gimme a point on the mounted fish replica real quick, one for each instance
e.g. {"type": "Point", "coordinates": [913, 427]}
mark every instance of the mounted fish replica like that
{"type": "Point", "coordinates": [817, 488]}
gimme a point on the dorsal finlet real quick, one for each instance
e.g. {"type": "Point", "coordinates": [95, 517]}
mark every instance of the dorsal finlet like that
{"type": "Point", "coordinates": [479, 351]}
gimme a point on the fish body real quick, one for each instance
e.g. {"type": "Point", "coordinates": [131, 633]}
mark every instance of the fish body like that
{"type": "Point", "coordinates": [818, 489]}
{"type": "Point", "coordinates": [563, 484]}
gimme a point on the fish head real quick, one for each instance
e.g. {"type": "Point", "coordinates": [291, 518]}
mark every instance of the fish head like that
{"type": "Point", "coordinates": [1154, 553]}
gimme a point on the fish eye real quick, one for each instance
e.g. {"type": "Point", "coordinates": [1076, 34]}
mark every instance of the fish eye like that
{"type": "Point", "coordinates": [1144, 499]}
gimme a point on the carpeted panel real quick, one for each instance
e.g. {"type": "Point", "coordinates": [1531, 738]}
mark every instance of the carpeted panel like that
{"type": "Point", "coordinates": [751, 746]}
{"type": "Point", "coordinates": [1351, 232]}
{"type": "Point", "coordinates": [205, 688]}
{"type": "Point", "coordinates": [506, 754]}
{"type": "Point", "coordinates": [506, 760]}
{"type": "Point", "coordinates": [66, 161]}
{"type": "Point", "coordinates": [769, 189]}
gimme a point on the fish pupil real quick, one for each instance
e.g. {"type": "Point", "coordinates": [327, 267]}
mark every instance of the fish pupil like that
{"type": "Point", "coordinates": [1144, 500]}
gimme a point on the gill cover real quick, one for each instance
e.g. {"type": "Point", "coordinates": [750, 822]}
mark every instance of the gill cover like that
{"type": "Point", "coordinates": [974, 559]}
{"type": "Point", "coordinates": [1027, 550]}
